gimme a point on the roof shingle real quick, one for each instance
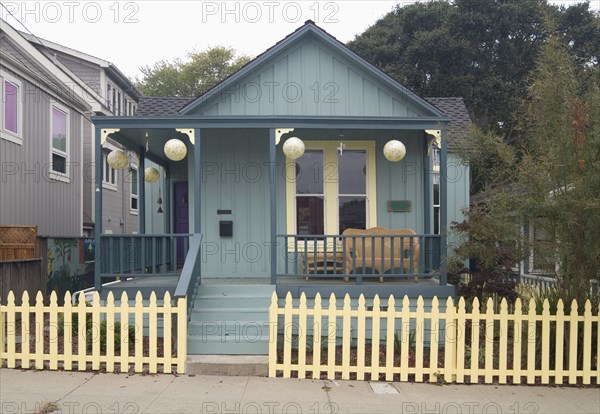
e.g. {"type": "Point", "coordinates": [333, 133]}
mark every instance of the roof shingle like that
{"type": "Point", "coordinates": [455, 109]}
{"type": "Point", "coordinates": [161, 105]}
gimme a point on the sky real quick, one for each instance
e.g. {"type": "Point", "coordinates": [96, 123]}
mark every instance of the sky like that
{"type": "Point", "coordinates": [132, 34]}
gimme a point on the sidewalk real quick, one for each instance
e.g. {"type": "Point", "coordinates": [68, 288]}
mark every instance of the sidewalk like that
{"type": "Point", "coordinates": [74, 392]}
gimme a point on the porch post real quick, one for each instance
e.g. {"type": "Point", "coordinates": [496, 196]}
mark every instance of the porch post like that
{"type": "Point", "coordinates": [167, 199]}
{"type": "Point", "coordinates": [443, 207]}
{"type": "Point", "coordinates": [197, 182]}
{"type": "Point", "coordinates": [98, 209]}
{"type": "Point", "coordinates": [273, 199]}
{"type": "Point", "coordinates": [427, 200]}
{"type": "Point", "coordinates": [142, 192]}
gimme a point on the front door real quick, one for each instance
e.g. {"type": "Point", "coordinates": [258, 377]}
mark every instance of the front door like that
{"type": "Point", "coordinates": [182, 218]}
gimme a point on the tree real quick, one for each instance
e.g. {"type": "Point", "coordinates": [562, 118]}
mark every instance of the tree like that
{"type": "Point", "coordinates": [552, 183]}
{"type": "Point", "coordinates": [481, 50]}
{"type": "Point", "coordinates": [192, 77]}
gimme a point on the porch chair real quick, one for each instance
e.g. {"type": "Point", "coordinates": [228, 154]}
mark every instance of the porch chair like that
{"type": "Point", "coordinates": [372, 256]}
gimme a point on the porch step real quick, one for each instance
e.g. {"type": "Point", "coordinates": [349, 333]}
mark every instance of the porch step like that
{"type": "Point", "coordinates": [234, 365]}
{"type": "Point", "coordinates": [230, 320]}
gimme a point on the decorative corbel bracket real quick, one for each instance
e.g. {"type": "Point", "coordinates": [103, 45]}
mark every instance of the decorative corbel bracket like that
{"type": "Point", "coordinates": [105, 132]}
{"type": "Point", "coordinates": [279, 132]}
{"type": "Point", "coordinates": [437, 137]}
{"type": "Point", "coordinates": [189, 132]}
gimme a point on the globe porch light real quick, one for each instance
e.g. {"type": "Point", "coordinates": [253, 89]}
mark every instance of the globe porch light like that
{"type": "Point", "coordinates": [175, 150]}
{"type": "Point", "coordinates": [293, 148]}
{"type": "Point", "coordinates": [151, 175]}
{"type": "Point", "coordinates": [117, 160]}
{"type": "Point", "coordinates": [394, 150]}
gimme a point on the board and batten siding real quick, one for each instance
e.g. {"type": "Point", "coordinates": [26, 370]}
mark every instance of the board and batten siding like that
{"type": "Point", "coordinates": [310, 78]}
{"type": "Point", "coordinates": [235, 177]}
{"type": "Point", "coordinates": [28, 196]}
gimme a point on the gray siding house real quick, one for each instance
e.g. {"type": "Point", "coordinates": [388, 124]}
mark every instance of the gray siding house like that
{"type": "Point", "coordinates": [47, 178]}
{"type": "Point", "coordinates": [110, 93]}
{"type": "Point", "coordinates": [42, 132]}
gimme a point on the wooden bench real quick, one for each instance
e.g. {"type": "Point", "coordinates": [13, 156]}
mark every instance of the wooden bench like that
{"type": "Point", "coordinates": [383, 251]}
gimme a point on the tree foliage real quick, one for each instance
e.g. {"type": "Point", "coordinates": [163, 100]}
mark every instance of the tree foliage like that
{"type": "Point", "coordinates": [191, 77]}
{"type": "Point", "coordinates": [549, 186]}
{"type": "Point", "coordinates": [481, 50]}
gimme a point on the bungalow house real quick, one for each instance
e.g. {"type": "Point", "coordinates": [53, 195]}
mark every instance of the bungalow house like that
{"type": "Point", "coordinates": [245, 215]}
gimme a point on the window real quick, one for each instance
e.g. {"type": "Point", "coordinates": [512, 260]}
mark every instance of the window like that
{"type": "Point", "coordinates": [119, 103]}
{"type": "Point", "coordinates": [59, 120]}
{"type": "Point", "coordinates": [109, 99]}
{"type": "Point", "coordinates": [11, 117]}
{"type": "Point", "coordinates": [134, 189]}
{"type": "Point", "coordinates": [332, 192]}
{"type": "Point", "coordinates": [109, 174]}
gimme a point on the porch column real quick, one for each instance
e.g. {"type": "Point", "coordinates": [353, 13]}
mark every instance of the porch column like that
{"type": "Point", "coordinates": [98, 208]}
{"type": "Point", "coordinates": [197, 183]}
{"type": "Point", "coordinates": [273, 199]}
{"type": "Point", "coordinates": [427, 198]}
{"type": "Point", "coordinates": [142, 192]}
{"type": "Point", "coordinates": [443, 207]}
{"type": "Point", "coordinates": [167, 200]}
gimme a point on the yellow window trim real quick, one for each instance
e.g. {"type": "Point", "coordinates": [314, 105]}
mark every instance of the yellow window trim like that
{"type": "Point", "coordinates": [331, 184]}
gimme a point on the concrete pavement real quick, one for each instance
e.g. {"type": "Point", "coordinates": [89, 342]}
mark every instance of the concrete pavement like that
{"type": "Point", "coordinates": [75, 392]}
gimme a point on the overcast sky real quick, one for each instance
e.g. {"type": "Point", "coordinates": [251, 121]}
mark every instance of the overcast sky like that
{"type": "Point", "coordinates": [132, 34]}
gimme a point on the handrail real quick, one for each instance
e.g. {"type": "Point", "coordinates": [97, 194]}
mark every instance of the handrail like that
{"type": "Point", "coordinates": [190, 275]}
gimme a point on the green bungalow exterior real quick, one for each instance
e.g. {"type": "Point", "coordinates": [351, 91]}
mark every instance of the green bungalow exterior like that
{"type": "Point", "coordinates": [239, 220]}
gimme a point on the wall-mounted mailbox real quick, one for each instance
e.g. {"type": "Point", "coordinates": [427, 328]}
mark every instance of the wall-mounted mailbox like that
{"type": "Point", "coordinates": [226, 228]}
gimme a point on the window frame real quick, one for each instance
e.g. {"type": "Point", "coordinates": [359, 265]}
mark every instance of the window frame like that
{"type": "Point", "coordinates": [331, 184]}
{"type": "Point", "coordinates": [57, 175]}
{"type": "Point", "coordinates": [16, 138]}
{"type": "Point", "coordinates": [113, 186]}
{"type": "Point", "coordinates": [133, 169]}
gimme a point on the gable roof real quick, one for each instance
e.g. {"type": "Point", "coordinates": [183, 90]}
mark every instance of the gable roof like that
{"type": "Point", "coordinates": [17, 52]}
{"type": "Point", "coordinates": [311, 29]}
{"type": "Point", "coordinates": [460, 120]}
{"type": "Point", "coordinates": [43, 45]}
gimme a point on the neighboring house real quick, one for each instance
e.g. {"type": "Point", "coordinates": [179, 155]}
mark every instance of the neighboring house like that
{"type": "Point", "coordinates": [53, 186]}
{"type": "Point", "coordinates": [109, 92]}
{"type": "Point", "coordinates": [260, 222]}
{"type": "Point", "coordinates": [42, 128]}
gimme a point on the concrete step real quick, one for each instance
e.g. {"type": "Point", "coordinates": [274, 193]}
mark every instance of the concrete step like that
{"type": "Point", "coordinates": [227, 345]}
{"type": "Point", "coordinates": [233, 365]}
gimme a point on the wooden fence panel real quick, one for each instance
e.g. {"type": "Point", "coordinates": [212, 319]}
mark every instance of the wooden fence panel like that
{"type": "Point", "coordinates": [465, 344]}
{"type": "Point", "coordinates": [62, 336]}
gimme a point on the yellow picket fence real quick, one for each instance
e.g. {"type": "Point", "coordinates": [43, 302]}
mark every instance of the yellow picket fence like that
{"type": "Point", "coordinates": [114, 337]}
{"type": "Point", "coordinates": [452, 344]}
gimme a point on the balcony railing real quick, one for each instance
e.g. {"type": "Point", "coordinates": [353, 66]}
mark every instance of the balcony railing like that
{"type": "Point", "coordinates": [139, 255]}
{"type": "Point", "coordinates": [359, 257]}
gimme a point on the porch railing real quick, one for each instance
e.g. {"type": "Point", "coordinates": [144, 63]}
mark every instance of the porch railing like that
{"type": "Point", "coordinates": [188, 283]}
{"type": "Point", "coordinates": [360, 257]}
{"type": "Point", "coordinates": [136, 255]}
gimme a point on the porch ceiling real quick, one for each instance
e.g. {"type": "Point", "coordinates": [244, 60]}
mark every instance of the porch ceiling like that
{"type": "Point", "coordinates": [152, 139]}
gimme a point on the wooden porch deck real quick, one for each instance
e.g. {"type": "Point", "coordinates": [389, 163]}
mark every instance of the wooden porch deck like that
{"type": "Point", "coordinates": [323, 285]}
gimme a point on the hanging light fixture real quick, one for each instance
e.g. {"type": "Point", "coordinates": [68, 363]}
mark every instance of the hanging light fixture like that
{"type": "Point", "coordinates": [159, 201]}
{"type": "Point", "coordinates": [151, 175]}
{"type": "Point", "coordinates": [293, 148]}
{"type": "Point", "coordinates": [175, 150]}
{"type": "Point", "coordinates": [394, 150]}
{"type": "Point", "coordinates": [117, 159]}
